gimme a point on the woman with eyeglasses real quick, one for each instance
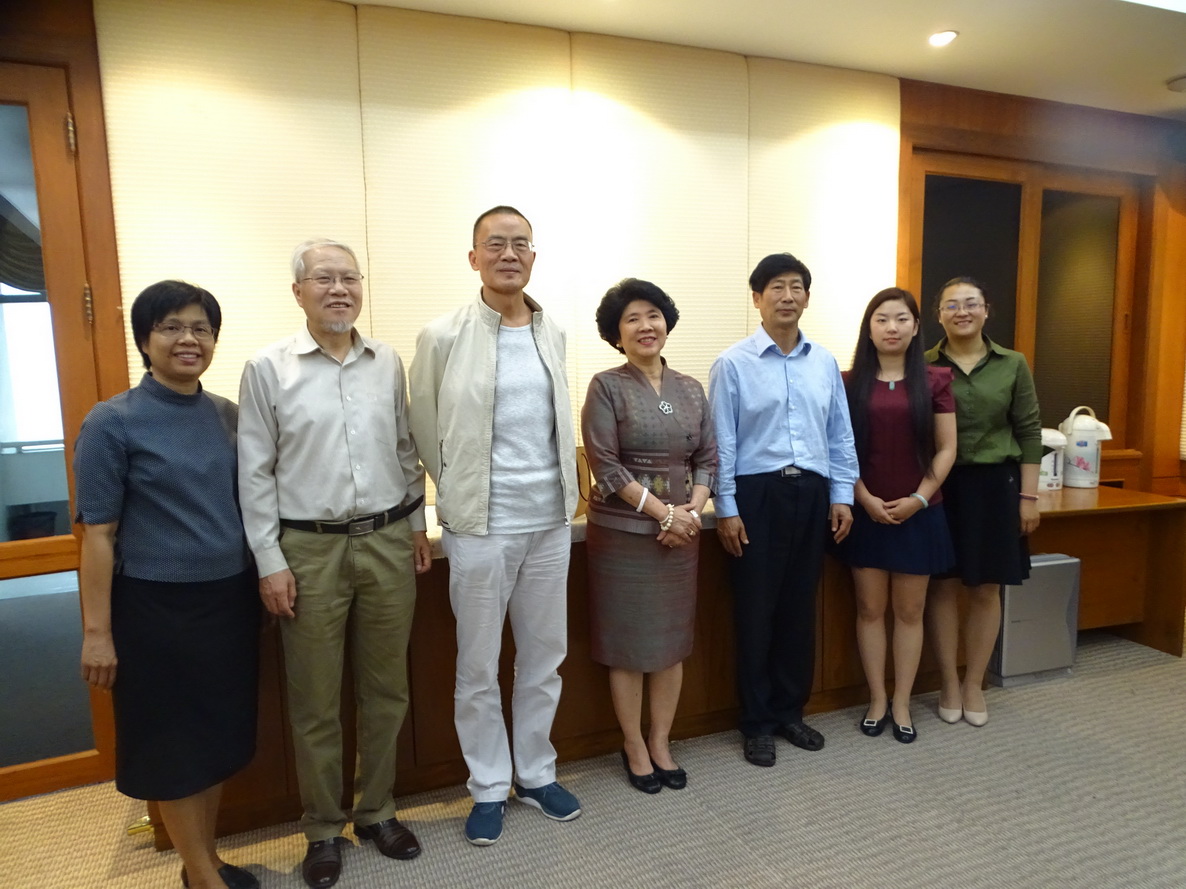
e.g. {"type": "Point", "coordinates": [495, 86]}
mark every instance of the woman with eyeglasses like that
{"type": "Point", "coordinates": [170, 611]}
{"type": "Point", "coordinates": [991, 494]}
{"type": "Point", "coordinates": [652, 454]}
{"type": "Point", "coordinates": [903, 423]}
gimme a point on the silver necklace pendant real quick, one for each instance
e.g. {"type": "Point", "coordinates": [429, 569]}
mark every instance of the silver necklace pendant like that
{"type": "Point", "coordinates": [666, 407]}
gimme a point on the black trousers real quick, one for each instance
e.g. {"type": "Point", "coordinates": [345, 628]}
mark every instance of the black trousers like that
{"type": "Point", "coordinates": [774, 586]}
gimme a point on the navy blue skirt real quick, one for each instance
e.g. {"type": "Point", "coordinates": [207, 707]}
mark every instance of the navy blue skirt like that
{"type": "Point", "coordinates": [920, 545]}
{"type": "Point", "coordinates": [186, 684]}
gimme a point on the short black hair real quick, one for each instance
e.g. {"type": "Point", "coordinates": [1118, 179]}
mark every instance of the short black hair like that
{"type": "Point", "coordinates": [774, 265]}
{"type": "Point", "coordinates": [622, 294]}
{"type": "Point", "coordinates": [500, 210]}
{"type": "Point", "coordinates": [157, 301]}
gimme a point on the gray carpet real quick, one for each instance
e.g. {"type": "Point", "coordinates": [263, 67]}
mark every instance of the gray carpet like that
{"type": "Point", "coordinates": [1075, 782]}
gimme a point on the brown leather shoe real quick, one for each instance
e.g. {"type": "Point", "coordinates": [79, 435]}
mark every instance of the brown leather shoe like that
{"type": "Point", "coordinates": [391, 838]}
{"type": "Point", "coordinates": [323, 863]}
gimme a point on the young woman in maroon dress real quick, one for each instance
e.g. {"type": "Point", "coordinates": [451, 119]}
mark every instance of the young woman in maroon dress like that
{"type": "Point", "coordinates": [904, 424]}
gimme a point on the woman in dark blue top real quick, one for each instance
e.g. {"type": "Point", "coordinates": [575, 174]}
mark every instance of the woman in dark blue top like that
{"type": "Point", "coordinates": [170, 612]}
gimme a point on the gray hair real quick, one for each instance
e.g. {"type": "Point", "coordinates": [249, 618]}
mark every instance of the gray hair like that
{"type": "Point", "coordinates": [298, 254]}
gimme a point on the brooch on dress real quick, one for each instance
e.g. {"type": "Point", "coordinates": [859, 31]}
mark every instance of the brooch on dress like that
{"type": "Point", "coordinates": [666, 407]}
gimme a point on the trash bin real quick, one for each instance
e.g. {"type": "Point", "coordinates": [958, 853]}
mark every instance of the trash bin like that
{"type": "Point", "coordinates": [1039, 623]}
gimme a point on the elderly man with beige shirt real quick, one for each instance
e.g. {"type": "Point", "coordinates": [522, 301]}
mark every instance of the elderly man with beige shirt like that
{"type": "Point", "coordinates": [332, 496]}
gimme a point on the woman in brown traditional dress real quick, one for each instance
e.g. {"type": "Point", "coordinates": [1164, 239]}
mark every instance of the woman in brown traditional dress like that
{"type": "Point", "coordinates": [649, 439]}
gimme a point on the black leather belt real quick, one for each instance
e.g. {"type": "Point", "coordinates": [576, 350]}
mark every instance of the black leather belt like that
{"type": "Point", "coordinates": [359, 525]}
{"type": "Point", "coordinates": [787, 472]}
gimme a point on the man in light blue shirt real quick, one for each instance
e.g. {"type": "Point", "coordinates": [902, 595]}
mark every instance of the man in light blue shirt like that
{"type": "Point", "coordinates": [787, 470]}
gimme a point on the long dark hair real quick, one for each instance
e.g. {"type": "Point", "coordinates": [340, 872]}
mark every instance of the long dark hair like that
{"type": "Point", "coordinates": [865, 364]}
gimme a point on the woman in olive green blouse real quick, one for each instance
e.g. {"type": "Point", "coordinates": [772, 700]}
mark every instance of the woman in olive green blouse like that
{"type": "Point", "coordinates": [990, 496]}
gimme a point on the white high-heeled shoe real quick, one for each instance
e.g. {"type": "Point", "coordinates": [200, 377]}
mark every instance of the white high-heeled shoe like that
{"type": "Point", "coordinates": [950, 715]}
{"type": "Point", "coordinates": [971, 717]}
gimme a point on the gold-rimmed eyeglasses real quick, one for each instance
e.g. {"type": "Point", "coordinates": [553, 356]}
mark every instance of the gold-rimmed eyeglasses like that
{"type": "Point", "coordinates": [172, 330]}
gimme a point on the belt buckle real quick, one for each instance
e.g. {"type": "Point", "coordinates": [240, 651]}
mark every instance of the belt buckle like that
{"type": "Point", "coordinates": [362, 526]}
{"type": "Point", "coordinates": [791, 471]}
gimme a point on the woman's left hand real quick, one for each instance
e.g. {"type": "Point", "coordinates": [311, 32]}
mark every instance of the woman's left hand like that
{"type": "Point", "coordinates": [683, 530]}
{"type": "Point", "coordinates": [1029, 517]}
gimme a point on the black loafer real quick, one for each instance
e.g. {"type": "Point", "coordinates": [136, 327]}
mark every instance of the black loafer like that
{"type": "Point", "coordinates": [234, 877]}
{"type": "Point", "coordinates": [905, 734]}
{"type": "Point", "coordinates": [759, 750]}
{"type": "Point", "coordinates": [802, 735]}
{"type": "Point", "coordinates": [676, 779]}
{"type": "Point", "coordinates": [874, 727]}
{"type": "Point", "coordinates": [646, 783]}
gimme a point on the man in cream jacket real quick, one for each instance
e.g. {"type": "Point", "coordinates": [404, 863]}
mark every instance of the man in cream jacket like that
{"type": "Point", "coordinates": [491, 416]}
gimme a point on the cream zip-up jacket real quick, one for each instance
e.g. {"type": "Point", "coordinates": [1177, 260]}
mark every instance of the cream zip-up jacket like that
{"type": "Point", "coordinates": [452, 409]}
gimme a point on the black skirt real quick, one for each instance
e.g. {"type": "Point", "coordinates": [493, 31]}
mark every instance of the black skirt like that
{"type": "Point", "coordinates": [920, 545]}
{"type": "Point", "coordinates": [186, 685]}
{"type": "Point", "coordinates": [983, 516]}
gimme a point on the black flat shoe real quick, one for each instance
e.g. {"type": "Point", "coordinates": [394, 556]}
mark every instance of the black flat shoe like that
{"type": "Point", "coordinates": [874, 727]}
{"type": "Point", "coordinates": [905, 734]}
{"type": "Point", "coordinates": [646, 783]}
{"type": "Point", "coordinates": [234, 877]}
{"type": "Point", "coordinates": [676, 779]}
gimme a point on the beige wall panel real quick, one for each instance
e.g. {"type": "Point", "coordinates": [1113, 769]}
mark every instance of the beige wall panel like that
{"type": "Point", "coordinates": [823, 185]}
{"type": "Point", "coordinates": [234, 134]}
{"type": "Point", "coordinates": [659, 169]}
{"type": "Point", "coordinates": [459, 115]}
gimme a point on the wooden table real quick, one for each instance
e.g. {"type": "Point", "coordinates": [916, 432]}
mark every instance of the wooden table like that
{"type": "Point", "coordinates": [1132, 545]}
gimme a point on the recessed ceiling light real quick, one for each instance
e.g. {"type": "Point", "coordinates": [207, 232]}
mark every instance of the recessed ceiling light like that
{"type": "Point", "coordinates": [942, 38]}
{"type": "Point", "coordinates": [1177, 84]}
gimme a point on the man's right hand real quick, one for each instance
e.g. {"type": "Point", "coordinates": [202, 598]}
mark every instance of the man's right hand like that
{"type": "Point", "coordinates": [278, 592]}
{"type": "Point", "coordinates": [731, 531]}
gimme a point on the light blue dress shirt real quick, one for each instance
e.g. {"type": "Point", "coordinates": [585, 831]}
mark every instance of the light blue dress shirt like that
{"type": "Point", "coordinates": [773, 410]}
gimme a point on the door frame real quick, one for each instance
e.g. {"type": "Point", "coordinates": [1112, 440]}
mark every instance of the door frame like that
{"type": "Point", "coordinates": [44, 92]}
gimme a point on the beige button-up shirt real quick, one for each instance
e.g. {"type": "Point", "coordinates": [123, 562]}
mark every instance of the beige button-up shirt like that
{"type": "Point", "coordinates": [321, 440]}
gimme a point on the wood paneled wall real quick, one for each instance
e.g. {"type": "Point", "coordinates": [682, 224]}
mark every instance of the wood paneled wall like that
{"type": "Point", "coordinates": [971, 122]}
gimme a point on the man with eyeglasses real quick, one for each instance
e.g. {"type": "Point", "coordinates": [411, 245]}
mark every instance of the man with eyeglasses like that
{"type": "Point", "coordinates": [788, 465]}
{"type": "Point", "coordinates": [490, 409]}
{"type": "Point", "coordinates": [332, 496]}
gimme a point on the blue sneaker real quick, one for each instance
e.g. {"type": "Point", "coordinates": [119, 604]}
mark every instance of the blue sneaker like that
{"type": "Point", "coordinates": [552, 799]}
{"type": "Point", "coordinates": [483, 827]}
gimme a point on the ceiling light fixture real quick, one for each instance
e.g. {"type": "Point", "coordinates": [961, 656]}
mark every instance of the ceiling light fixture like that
{"type": "Point", "coordinates": [942, 38]}
{"type": "Point", "coordinates": [1177, 84]}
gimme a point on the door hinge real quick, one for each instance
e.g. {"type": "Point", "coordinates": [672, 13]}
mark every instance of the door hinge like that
{"type": "Point", "coordinates": [71, 136]}
{"type": "Point", "coordinates": [88, 304]}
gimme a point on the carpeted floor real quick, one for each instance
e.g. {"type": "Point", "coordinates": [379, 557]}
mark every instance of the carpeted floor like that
{"type": "Point", "coordinates": [1078, 781]}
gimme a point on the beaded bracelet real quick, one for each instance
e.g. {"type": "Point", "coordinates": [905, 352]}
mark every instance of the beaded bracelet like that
{"type": "Point", "coordinates": [665, 525]}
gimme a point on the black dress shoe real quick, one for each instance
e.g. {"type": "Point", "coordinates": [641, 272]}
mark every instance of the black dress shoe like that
{"type": "Point", "coordinates": [759, 750]}
{"type": "Point", "coordinates": [391, 838]}
{"type": "Point", "coordinates": [801, 735]}
{"type": "Point", "coordinates": [646, 783]}
{"type": "Point", "coordinates": [234, 877]}
{"type": "Point", "coordinates": [676, 779]}
{"type": "Point", "coordinates": [323, 863]}
{"type": "Point", "coordinates": [874, 727]}
{"type": "Point", "coordinates": [905, 733]}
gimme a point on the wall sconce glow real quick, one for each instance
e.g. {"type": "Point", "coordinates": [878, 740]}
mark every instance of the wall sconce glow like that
{"type": "Point", "coordinates": [942, 38]}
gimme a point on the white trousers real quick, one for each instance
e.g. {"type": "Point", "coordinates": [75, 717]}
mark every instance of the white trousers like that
{"type": "Point", "coordinates": [525, 576]}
